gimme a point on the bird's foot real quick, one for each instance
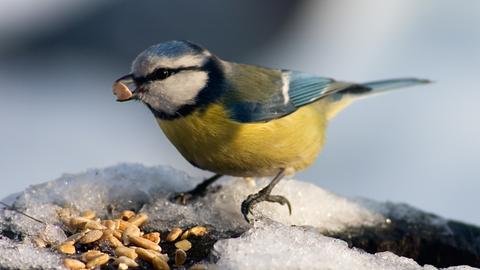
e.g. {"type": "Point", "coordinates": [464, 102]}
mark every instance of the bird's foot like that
{"type": "Point", "coordinates": [188, 196]}
{"type": "Point", "coordinates": [199, 191]}
{"type": "Point", "coordinates": [182, 197]}
{"type": "Point", "coordinates": [262, 196]}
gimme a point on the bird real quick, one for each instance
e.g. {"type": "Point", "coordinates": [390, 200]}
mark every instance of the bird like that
{"type": "Point", "coordinates": [237, 119]}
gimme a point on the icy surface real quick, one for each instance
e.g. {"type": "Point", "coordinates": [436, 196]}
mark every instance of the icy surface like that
{"type": "Point", "coordinates": [17, 255]}
{"type": "Point", "coordinates": [270, 244]}
{"type": "Point", "coordinates": [273, 245]}
{"type": "Point", "coordinates": [135, 186]}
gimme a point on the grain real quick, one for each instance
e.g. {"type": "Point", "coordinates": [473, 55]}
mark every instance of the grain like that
{"type": "Point", "coordinates": [121, 91]}
{"type": "Point", "coordinates": [127, 214]}
{"type": "Point", "coordinates": [97, 261]}
{"type": "Point", "coordinates": [159, 264]}
{"type": "Point", "coordinates": [89, 255]}
{"type": "Point", "coordinates": [180, 257]}
{"type": "Point", "coordinates": [109, 224]}
{"type": "Point", "coordinates": [73, 264]}
{"type": "Point", "coordinates": [154, 237]}
{"type": "Point", "coordinates": [174, 234]}
{"type": "Point", "coordinates": [94, 225]}
{"type": "Point", "coordinates": [183, 244]}
{"type": "Point", "coordinates": [198, 230]}
{"type": "Point", "coordinates": [91, 237]}
{"type": "Point", "coordinates": [185, 235]}
{"type": "Point", "coordinates": [66, 249]}
{"type": "Point", "coordinates": [125, 260]}
{"type": "Point", "coordinates": [198, 266]}
{"type": "Point", "coordinates": [138, 219]}
{"type": "Point", "coordinates": [130, 231]}
{"type": "Point", "coordinates": [112, 241]}
{"type": "Point", "coordinates": [75, 237]}
{"type": "Point", "coordinates": [78, 222]}
{"type": "Point", "coordinates": [144, 243]}
{"type": "Point", "coordinates": [127, 252]}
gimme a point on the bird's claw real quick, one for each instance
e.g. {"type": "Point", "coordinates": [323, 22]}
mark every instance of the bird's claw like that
{"type": "Point", "coordinates": [253, 199]}
{"type": "Point", "coordinates": [183, 197]}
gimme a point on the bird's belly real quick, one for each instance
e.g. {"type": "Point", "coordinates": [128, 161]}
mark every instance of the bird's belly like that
{"type": "Point", "coordinates": [212, 141]}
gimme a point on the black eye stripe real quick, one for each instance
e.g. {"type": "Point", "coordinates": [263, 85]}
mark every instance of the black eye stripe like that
{"type": "Point", "coordinates": [162, 73]}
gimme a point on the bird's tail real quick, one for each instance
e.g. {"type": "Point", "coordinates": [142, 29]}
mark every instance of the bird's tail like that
{"type": "Point", "coordinates": [345, 97]}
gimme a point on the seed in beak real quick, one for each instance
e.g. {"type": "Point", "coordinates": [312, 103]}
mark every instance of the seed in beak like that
{"type": "Point", "coordinates": [121, 91]}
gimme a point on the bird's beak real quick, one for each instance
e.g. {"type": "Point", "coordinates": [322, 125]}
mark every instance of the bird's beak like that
{"type": "Point", "coordinates": [121, 89]}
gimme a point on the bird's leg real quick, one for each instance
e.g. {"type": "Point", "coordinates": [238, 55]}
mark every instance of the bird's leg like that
{"type": "Point", "coordinates": [199, 191]}
{"type": "Point", "coordinates": [264, 195]}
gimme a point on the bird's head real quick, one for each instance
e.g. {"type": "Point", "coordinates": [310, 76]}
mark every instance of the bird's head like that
{"type": "Point", "coordinates": [173, 77]}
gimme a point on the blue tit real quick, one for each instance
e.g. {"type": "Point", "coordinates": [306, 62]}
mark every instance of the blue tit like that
{"type": "Point", "coordinates": [237, 119]}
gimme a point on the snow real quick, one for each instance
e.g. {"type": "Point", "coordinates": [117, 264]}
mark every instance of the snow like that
{"type": "Point", "coordinates": [270, 243]}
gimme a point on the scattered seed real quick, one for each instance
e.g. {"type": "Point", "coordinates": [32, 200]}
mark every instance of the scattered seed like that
{"type": "Point", "coordinates": [180, 257]}
{"type": "Point", "coordinates": [127, 214]}
{"type": "Point", "coordinates": [185, 235]}
{"type": "Point", "coordinates": [73, 264]}
{"type": "Point", "coordinates": [109, 224]}
{"type": "Point", "coordinates": [94, 225]}
{"type": "Point", "coordinates": [183, 244]}
{"type": "Point", "coordinates": [68, 243]}
{"type": "Point", "coordinates": [138, 219]}
{"type": "Point", "coordinates": [122, 224]}
{"type": "Point", "coordinates": [65, 214]}
{"type": "Point", "coordinates": [130, 231]}
{"type": "Point", "coordinates": [90, 255]}
{"type": "Point", "coordinates": [114, 242]}
{"type": "Point", "coordinates": [117, 234]}
{"type": "Point", "coordinates": [91, 237]}
{"type": "Point", "coordinates": [154, 237]}
{"type": "Point", "coordinates": [159, 264]}
{"type": "Point", "coordinates": [97, 261]}
{"type": "Point", "coordinates": [174, 234]}
{"type": "Point", "coordinates": [125, 260]}
{"type": "Point", "coordinates": [145, 254]}
{"type": "Point", "coordinates": [89, 214]}
{"type": "Point", "coordinates": [78, 222]}
{"type": "Point", "coordinates": [39, 242]}
{"type": "Point", "coordinates": [198, 231]}
{"type": "Point", "coordinates": [66, 249]}
{"type": "Point", "coordinates": [127, 252]}
{"type": "Point", "coordinates": [144, 243]}
{"type": "Point", "coordinates": [162, 256]}
{"type": "Point", "coordinates": [117, 223]}
{"type": "Point", "coordinates": [121, 91]}
{"type": "Point", "coordinates": [75, 237]}
{"type": "Point", "coordinates": [198, 266]}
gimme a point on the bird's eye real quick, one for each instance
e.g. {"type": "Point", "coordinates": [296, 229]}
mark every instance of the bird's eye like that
{"type": "Point", "coordinates": [161, 74]}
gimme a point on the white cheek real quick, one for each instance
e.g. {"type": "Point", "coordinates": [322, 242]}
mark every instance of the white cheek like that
{"type": "Point", "coordinates": [176, 91]}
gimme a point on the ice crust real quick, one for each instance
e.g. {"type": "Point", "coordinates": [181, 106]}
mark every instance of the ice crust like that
{"type": "Point", "coordinates": [272, 245]}
{"type": "Point", "coordinates": [267, 245]}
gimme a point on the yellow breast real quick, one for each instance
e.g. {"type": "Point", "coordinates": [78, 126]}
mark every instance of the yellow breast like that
{"type": "Point", "coordinates": [212, 141]}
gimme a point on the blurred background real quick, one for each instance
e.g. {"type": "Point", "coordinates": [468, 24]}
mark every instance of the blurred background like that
{"type": "Point", "coordinates": [421, 145]}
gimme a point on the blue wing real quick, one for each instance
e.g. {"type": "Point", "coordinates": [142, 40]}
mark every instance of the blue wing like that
{"type": "Point", "coordinates": [304, 88]}
{"type": "Point", "coordinates": [259, 94]}
{"type": "Point", "coordinates": [282, 93]}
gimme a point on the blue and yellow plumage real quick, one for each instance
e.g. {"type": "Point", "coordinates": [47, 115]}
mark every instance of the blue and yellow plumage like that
{"type": "Point", "coordinates": [241, 120]}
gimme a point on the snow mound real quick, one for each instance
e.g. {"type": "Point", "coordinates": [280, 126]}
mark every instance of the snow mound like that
{"type": "Point", "coordinates": [267, 244]}
{"type": "Point", "coordinates": [272, 245]}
